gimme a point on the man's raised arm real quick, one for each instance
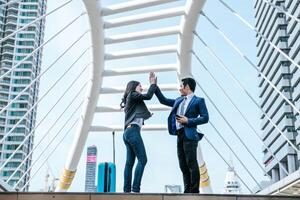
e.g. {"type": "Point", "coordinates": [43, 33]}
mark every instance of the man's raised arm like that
{"type": "Point", "coordinates": [162, 99]}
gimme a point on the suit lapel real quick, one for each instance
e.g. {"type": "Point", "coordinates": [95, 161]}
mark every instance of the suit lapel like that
{"type": "Point", "coordinates": [191, 103]}
{"type": "Point", "coordinates": [177, 104]}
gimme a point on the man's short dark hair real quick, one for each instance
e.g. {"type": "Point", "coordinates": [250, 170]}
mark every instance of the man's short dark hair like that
{"type": "Point", "coordinates": [190, 82]}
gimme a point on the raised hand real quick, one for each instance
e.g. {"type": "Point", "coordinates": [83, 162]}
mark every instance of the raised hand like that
{"type": "Point", "coordinates": [152, 78]}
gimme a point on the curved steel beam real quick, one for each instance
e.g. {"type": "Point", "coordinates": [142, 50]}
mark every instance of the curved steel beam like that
{"type": "Point", "coordinates": [185, 44]}
{"type": "Point", "coordinates": [89, 106]}
{"type": "Point", "coordinates": [186, 38]}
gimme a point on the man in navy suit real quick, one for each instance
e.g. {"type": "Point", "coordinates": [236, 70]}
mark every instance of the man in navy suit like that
{"type": "Point", "coordinates": [187, 112]}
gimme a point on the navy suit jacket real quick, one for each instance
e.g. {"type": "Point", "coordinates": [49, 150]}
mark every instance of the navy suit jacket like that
{"type": "Point", "coordinates": [196, 113]}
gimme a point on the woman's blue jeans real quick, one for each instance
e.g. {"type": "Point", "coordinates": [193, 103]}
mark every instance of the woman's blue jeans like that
{"type": "Point", "coordinates": [135, 148]}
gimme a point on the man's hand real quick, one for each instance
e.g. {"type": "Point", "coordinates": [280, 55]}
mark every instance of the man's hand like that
{"type": "Point", "coordinates": [182, 119]}
{"type": "Point", "coordinates": [152, 78]}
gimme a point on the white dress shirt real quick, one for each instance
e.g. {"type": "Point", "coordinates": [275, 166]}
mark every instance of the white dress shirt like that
{"type": "Point", "coordinates": [187, 101]}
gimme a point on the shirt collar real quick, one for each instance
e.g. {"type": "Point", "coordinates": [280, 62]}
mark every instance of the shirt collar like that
{"type": "Point", "coordinates": [190, 96]}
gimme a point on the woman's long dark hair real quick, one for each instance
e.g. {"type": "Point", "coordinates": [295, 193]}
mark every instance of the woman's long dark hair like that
{"type": "Point", "coordinates": [131, 86]}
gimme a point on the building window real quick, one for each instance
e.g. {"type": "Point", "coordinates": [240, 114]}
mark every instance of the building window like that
{"type": "Point", "coordinates": [29, 7]}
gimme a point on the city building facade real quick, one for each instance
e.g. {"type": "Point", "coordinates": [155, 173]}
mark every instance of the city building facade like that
{"type": "Point", "coordinates": [284, 32]}
{"type": "Point", "coordinates": [91, 167]}
{"type": "Point", "coordinates": [13, 50]}
{"type": "Point", "coordinates": [232, 183]}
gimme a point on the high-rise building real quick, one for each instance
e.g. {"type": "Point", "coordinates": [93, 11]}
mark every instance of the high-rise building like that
{"type": "Point", "coordinates": [293, 29]}
{"type": "Point", "coordinates": [231, 184]}
{"type": "Point", "coordinates": [13, 16]}
{"type": "Point", "coordinates": [91, 165]}
{"type": "Point", "coordinates": [282, 31]}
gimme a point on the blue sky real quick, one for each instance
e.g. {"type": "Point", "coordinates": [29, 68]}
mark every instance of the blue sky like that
{"type": "Point", "coordinates": [162, 167]}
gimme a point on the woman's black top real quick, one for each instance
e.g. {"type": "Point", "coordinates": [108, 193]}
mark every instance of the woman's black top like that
{"type": "Point", "coordinates": [135, 106]}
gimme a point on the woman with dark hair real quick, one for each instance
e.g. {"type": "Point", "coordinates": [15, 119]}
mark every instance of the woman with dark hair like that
{"type": "Point", "coordinates": [135, 113]}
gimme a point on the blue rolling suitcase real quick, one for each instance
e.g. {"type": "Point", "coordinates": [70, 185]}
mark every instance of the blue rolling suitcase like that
{"type": "Point", "coordinates": [106, 177]}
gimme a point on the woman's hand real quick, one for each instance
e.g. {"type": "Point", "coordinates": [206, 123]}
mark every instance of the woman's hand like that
{"type": "Point", "coordinates": [152, 78]}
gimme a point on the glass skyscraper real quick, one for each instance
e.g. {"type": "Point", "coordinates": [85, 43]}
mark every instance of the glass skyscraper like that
{"type": "Point", "coordinates": [14, 49]}
{"type": "Point", "coordinates": [91, 165]}
{"type": "Point", "coordinates": [284, 33]}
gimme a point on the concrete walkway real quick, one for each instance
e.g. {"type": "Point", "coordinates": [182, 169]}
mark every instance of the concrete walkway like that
{"type": "Point", "coordinates": [121, 196]}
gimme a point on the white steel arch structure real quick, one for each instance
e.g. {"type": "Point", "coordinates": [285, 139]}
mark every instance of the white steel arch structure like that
{"type": "Point", "coordinates": [183, 48]}
{"type": "Point", "coordinates": [156, 30]}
